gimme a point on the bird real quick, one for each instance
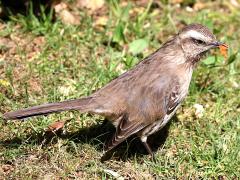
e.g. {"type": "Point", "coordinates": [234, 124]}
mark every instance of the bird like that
{"type": "Point", "coordinates": [142, 100]}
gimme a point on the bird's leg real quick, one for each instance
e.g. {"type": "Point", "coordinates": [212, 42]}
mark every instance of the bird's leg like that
{"type": "Point", "coordinates": [149, 150]}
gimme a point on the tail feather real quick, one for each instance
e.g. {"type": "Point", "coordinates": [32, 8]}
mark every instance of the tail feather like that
{"type": "Point", "coordinates": [83, 104]}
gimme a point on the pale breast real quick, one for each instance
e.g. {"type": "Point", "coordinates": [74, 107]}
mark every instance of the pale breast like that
{"type": "Point", "coordinates": [178, 94]}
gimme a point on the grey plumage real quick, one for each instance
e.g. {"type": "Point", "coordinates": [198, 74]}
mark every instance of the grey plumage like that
{"type": "Point", "coordinates": [142, 100]}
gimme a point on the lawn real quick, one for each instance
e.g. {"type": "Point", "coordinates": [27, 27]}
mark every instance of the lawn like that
{"type": "Point", "coordinates": [46, 60]}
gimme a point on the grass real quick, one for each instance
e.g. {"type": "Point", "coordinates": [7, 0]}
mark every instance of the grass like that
{"type": "Point", "coordinates": [44, 61]}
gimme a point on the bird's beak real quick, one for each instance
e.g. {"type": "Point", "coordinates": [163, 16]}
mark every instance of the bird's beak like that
{"type": "Point", "coordinates": [217, 44]}
{"type": "Point", "coordinates": [223, 47]}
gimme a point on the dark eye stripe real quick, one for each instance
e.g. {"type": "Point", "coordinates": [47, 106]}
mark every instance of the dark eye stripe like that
{"type": "Point", "coordinates": [198, 41]}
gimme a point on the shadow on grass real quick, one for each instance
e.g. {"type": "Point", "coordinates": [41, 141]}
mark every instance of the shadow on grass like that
{"type": "Point", "coordinates": [13, 7]}
{"type": "Point", "coordinates": [96, 136]}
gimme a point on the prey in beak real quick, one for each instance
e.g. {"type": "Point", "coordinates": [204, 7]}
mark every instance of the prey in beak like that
{"type": "Point", "coordinates": [222, 46]}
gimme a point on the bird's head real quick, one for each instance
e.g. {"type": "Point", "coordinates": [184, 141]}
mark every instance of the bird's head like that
{"type": "Point", "coordinates": [196, 40]}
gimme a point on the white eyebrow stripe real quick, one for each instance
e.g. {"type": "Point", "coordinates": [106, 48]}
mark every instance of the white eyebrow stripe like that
{"type": "Point", "coordinates": [194, 34]}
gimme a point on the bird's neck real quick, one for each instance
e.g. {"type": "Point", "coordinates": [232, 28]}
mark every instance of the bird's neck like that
{"type": "Point", "coordinates": [172, 52]}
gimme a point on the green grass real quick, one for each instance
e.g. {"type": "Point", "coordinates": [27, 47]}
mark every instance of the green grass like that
{"type": "Point", "coordinates": [49, 61]}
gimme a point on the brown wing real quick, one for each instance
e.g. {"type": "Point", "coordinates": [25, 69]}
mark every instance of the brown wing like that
{"type": "Point", "coordinates": [174, 98]}
{"type": "Point", "coordinates": [125, 129]}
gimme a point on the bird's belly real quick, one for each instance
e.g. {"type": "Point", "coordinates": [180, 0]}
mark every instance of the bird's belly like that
{"type": "Point", "coordinates": [169, 116]}
{"type": "Point", "coordinates": [157, 125]}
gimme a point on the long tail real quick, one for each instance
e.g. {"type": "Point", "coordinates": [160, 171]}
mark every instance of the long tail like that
{"type": "Point", "coordinates": [84, 104]}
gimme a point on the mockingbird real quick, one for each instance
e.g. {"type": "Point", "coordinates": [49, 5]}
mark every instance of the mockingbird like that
{"type": "Point", "coordinates": [142, 100]}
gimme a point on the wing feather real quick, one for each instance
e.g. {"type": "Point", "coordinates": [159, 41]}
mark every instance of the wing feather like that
{"type": "Point", "coordinates": [174, 98]}
{"type": "Point", "coordinates": [125, 129]}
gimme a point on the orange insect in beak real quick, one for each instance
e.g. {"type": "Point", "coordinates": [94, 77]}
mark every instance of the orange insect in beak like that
{"type": "Point", "coordinates": [223, 50]}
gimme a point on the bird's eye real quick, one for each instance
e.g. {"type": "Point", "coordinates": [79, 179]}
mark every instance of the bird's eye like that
{"type": "Point", "coordinates": [198, 41]}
